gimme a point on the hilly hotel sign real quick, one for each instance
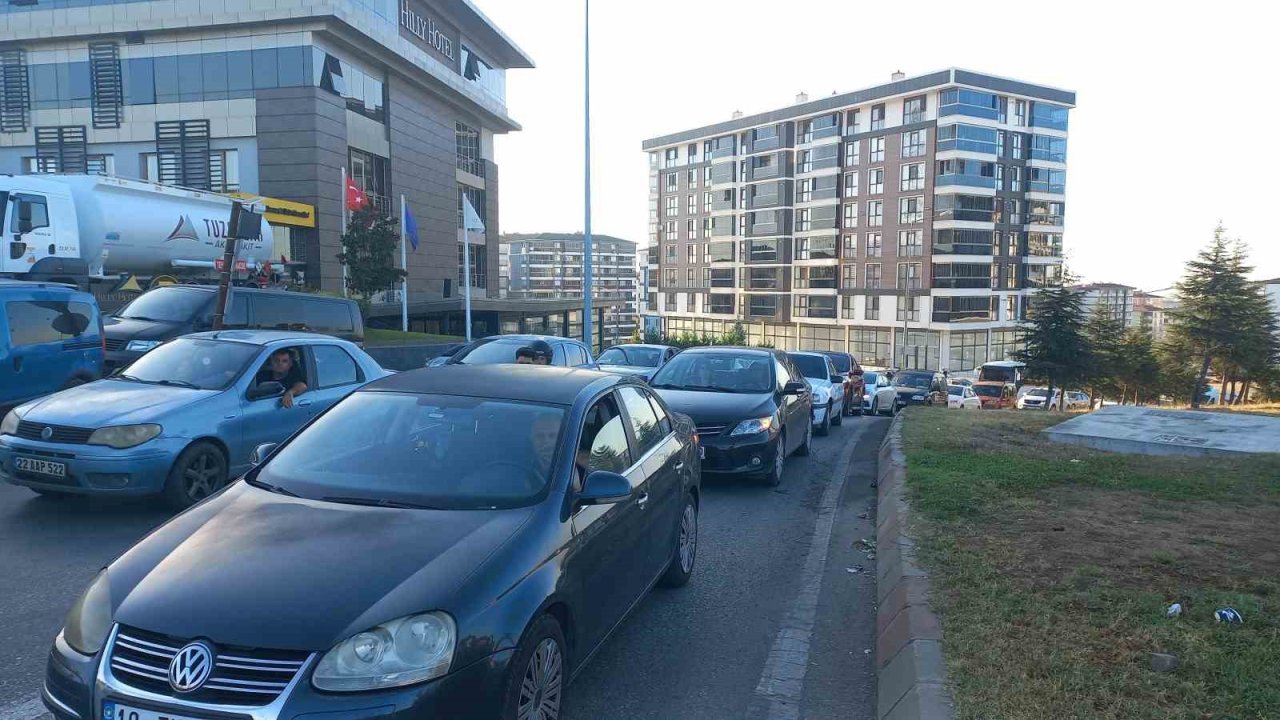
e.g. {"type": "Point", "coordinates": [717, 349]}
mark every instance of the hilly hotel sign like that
{"type": "Point", "coordinates": [424, 27]}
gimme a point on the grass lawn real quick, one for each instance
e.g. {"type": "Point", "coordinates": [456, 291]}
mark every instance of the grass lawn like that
{"type": "Point", "coordinates": [378, 336]}
{"type": "Point", "coordinates": [1053, 566]}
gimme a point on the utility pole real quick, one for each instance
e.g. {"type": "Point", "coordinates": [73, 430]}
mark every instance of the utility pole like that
{"type": "Point", "coordinates": [586, 134]}
{"type": "Point", "coordinates": [245, 225]}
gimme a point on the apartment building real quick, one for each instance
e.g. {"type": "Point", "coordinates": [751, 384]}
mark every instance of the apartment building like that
{"type": "Point", "coordinates": [274, 98]}
{"type": "Point", "coordinates": [1116, 300]}
{"type": "Point", "coordinates": [550, 266]}
{"type": "Point", "coordinates": [906, 223]}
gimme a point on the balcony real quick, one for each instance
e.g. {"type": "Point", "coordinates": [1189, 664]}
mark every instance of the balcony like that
{"type": "Point", "coordinates": [965, 180]}
{"type": "Point", "coordinates": [962, 283]}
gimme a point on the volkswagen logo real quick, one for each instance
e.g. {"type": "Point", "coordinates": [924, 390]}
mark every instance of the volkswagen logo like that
{"type": "Point", "coordinates": [190, 668]}
{"type": "Point", "coordinates": [46, 434]}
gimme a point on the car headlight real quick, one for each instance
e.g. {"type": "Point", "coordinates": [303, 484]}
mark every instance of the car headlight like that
{"type": "Point", "coordinates": [402, 652]}
{"type": "Point", "coordinates": [141, 345]}
{"type": "Point", "coordinates": [866, 398]}
{"type": "Point", "coordinates": [89, 621]}
{"type": "Point", "coordinates": [751, 427]}
{"type": "Point", "coordinates": [9, 426]}
{"type": "Point", "coordinates": [124, 436]}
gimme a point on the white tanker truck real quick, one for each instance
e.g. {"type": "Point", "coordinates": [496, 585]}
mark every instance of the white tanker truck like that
{"type": "Point", "coordinates": [79, 228]}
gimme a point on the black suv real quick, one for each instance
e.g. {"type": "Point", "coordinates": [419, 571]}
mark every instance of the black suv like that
{"type": "Point", "coordinates": [920, 387]}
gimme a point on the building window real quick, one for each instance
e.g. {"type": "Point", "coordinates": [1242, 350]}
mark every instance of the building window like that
{"type": "Point", "coordinates": [1000, 178]}
{"type": "Point", "coordinates": [968, 350]}
{"type": "Point", "coordinates": [815, 306]}
{"type": "Point", "coordinates": [816, 248]}
{"type": "Point", "coordinates": [851, 184]}
{"type": "Point", "coordinates": [802, 220]}
{"type": "Point", "coordinates": [819, 277]}
{"type": "Point", "coordinates": [363, 91]}
{"type": "Point", "coordinates": [846, 307]}
{"type": "Point", "coordinates": [875, 181]}
{"type": "Point", "coordinates": [690, 204]}
{"type": "Point", "coordinates": [872, 309]}
{"type": "Point", "coordinates": [692, 178]}
{"type": "Point", "coordinates": [849, 276]}
{"type": "Point", "coordinates": [671, 253]}
{"type": "Point", "coordinates": [913, 110]}
{"type": "Point", "coordinates": [706, 202]}
{"type": "Point", "coordinates": [669, 277]}
{"type": "Point", "coordinates": [372, 174]}
{"type": "Point", "coordinates": [672, 207]}
{"type": "Point", "coordinates": [913, 143]}
{"type": "Point", "coordinates": [875, 213]}
{"type": "Point", "coordinates": [691, 252]}
{"type": "Point", "coordinates": [910, 243]}
{"type": "Point", "coordinates": [804, 191]}
{"type": "Point", "coordinates": [706, 175]}
{"type": "Point", "coordinates": [688, 278]}
{"type": "Point", "coordinates": [911, 210]}
{"type": "Point", "coordinates": [851, 153]}
{"type": "Point", "coordinates": [1000, 138]}
{"type": "Point", "coordinates": [467, 140]}
{"type": "Point", "coordinates": [689, 228]}
{"type": "Point", "coordinates": [908, 308]}
{"type": "Point", "coordinates": [15, 91]}
{"type": "Point", "coordinates": [1015, 179]}
{"type": "Point", "coordinates": [673, 182]}
{"type": "Point", "coordinates": [877, 118]}
{"type": "Point", "coordinates": [850, 218]}
{"type": "Point", "coordinates": [871, 276]}
{"type": "Point", "coordinates": [762, 305]}
{"type": "Point", "coordinates": [61, 149]}
{"type": "Point", "coordinates": [877, 149]}
{"type": "Point", "coordinates": [1018, 141]}
{"type": "Point", "coordinates": [853, 122]}
{"type": "Point", "coordinates": [1020, 113]}
{"type": "Point", "coordinates": [909, 277]}
{"type": "Point", "coordinates": [669, 230]}
{"type": "Point", "coordinates": [873, 245]}
{"type": "Point", "coordinates": [912, 177]}
{"type": "Point", "coordinates": [849, 249]}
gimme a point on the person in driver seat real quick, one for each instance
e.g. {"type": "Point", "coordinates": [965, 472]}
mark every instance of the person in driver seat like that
{"type": "Point", "coordinates": [537, 352]}
{"type": "Point", "coordinates": [281, 367]}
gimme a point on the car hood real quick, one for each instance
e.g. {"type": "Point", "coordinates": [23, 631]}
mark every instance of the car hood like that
{"type": "Point", "coordinates": [112, 402]}
{"type": "Point", "coordinates": [258, 569]}
{"type": "Point", "coordinates": [118, 328]}
{"type": "Point", "coordinates": [719, 408]}
{"type": "Point", "coordinates": [637, 370]}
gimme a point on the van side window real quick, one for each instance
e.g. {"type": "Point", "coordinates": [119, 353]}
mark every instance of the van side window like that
{"type": "Point", "coordinates": [274, 313]}
{"type": "Point", "coordinates": [46, 321]}
{"type": "Point", "coordinates": [30, 212]}
{"type": "Point", "coordinates": [237, 312]}
{"type": "Point", "coordinates": [326, 317]}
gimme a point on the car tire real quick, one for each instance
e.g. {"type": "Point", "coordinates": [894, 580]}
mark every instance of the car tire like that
{"type": "Point", "coordinates": [538, 672]}
{"type": "Point", "coordinates": [200, 471]}
{"type": "Point", "coordinates": [838, 418]}
{"type": "Point", "coordinates": [808, 440]}
{"type": "Point", "coordinates": [825, 428]}
{"type": "Point", "coordinates": [685, 553]}
{"type": "Point", "coordinates": [875, 406]}
{"type": "Point", "coordinates": [773, 478]}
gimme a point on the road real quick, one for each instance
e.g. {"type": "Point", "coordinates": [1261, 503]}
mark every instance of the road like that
{"type": "Point", "coordinates": [773, 625]}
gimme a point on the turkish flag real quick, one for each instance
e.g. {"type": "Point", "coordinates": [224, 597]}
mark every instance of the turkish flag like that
{"type": "Point", "coordinates": [356, 199]}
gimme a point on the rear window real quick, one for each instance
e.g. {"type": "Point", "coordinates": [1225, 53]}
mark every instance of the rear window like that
{"type": "Point", "coordinates": [955, 390]}
{"type": "Point", "coordinates": [841, 362]}
{"type": "Point", "coordinates": [494, 352]}
{"type": "Point", "coordinates": [813, 366]}
{"type": "Point", "coordinates": [987, 390]}
{"type": "Point", "coordinates": [33, 322]}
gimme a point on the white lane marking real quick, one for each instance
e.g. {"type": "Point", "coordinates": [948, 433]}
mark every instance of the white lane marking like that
{"type": "Point", "coordinates": [24, 710]}
{"type": "Point", "coordinates": [781, 689]}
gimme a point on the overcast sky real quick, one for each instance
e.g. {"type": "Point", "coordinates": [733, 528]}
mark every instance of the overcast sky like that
{"type": "Point", "coordinates": [1175, 107]}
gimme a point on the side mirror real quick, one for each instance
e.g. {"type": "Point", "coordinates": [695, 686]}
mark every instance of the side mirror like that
{"type": "Point", "coordinates": [604, 488]}
{"type": "Point", "coordinates": [267, 389]}
{"type": "Point", "coordinates": [795, 387]}
{"type": "Point", "coordinates": [261, 452]}
{"type": "Point", "coordinates": [438, 361]}
{"type": "Point", "coordinates": [837, 379]}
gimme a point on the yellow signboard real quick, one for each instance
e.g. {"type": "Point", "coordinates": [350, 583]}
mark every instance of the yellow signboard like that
{"type": "Point", "coordinates": [284, 212]}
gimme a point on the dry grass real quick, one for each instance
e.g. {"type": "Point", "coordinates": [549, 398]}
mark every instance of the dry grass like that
{"type": "Point", "coordinates": [1053, 576]}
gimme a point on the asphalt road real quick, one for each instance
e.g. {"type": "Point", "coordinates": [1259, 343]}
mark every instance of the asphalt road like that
{"type": "Point", "coordinates": [772, 626]}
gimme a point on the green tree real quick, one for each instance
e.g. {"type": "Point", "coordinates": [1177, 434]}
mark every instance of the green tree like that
{"type": "Point", "coordinates": [1139, 366]}
{"type": "Point", "coordinates": [369, 247]}
{"type": "Point", "coordinates": [1057, 350]}
{"type": "Point", "coordinates": [1222, 317]}
{"type": "Point", "coordinates": [1104, 333]}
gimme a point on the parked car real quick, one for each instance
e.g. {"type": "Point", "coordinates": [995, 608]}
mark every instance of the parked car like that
{"type": "Point", "coordinates": [500, 349]}
{"type": "Point", "coordinates": [827, 385]}
{"type": "Point", "coordinates": [995, 395]}
{"type": "Point", "coordinates": [50, 340]}
{"type": "Point", "coordinates": [879, 397]}
{"type": "Point", "coordinates": [439, 544]}
{"type": "Point", "coordinates": [1077, 400]}
{"type": "Point", "coordinates": [854, 386]}
{"type": "Point", "coordinates": [168, 312]}
{"type": "Point", "coordinates": [636, 359]}
{"type": "Point", "coordinates": [920, 387]}
{"type": "Point", "coordinates": [962, 397]}
{"type": "Point", "coordinates": [180, 421]}
{"type": "Point", "coordinates": [1034, 399]}
{"type": "Point", "coordinates": [751, 406]}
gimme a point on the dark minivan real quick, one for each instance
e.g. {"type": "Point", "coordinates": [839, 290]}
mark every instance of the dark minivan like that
{"type": "Point", "coordinates": [165, 313]}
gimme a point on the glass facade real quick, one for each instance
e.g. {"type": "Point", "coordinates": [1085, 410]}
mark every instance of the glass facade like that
{"type": "Point", "coordinates": [972, 138]}
{"type": "Point", "coordinates": [974, 173]}
{"type": "Point", "coordinates": [1048, 115]}
{"type": "Point", "coordinates": [1044, 147]}
{"type": "Point", "coordinates": [960, 101]}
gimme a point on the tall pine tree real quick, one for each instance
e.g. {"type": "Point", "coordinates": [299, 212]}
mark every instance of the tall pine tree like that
{"type": "Point", "coordinates": [1057, 351]}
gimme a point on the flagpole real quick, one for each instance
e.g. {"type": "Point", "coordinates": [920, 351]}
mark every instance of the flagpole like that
{"type": "Point", "coordinates": [466, 275]}
{"type": "Point", "coordinates": [404, 265]}
{"type": "Point", "coordinates": [586, 134]}
{"type": "Point", "coordinates": [344, 227]}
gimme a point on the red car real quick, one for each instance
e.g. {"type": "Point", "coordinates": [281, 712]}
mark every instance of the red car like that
{"type": "Point", "coordinates": [995, 395]}
{"type": "Point", "coordinates": [848, 366]}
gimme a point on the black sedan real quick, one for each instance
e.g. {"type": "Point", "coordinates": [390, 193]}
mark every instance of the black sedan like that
{"type": "Point", "coordinates": [752, 407]}
{"type": "Point", "coordinates": [443, 543]}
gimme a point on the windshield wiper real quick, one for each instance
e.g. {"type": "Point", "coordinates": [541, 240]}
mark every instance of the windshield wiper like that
{"type": "Point", "coordinates": [176, 383]}
{"type": "Point", "coordinates": [143, 318]}
{"type": "Point", "coordinates": [131, 378]}
{"type": "Point", "coordinates": [376, 502]}
{"type": "Point", "coordinates": [271, 488]}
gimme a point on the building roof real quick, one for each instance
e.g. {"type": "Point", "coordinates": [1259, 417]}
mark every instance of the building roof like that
{"type": "Point", "coordinates": [507, 238]}
{"type": "Point", "coordinates": [508, 53]}
{"type": "Point", "coordinates": [526, 383]}
{"type": "Point", "coordinates": [857, 97]}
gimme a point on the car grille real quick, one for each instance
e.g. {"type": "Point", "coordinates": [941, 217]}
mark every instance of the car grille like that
{"type": "Point", "coordinates": [116, 343]}
{"type": "Point", "coordinates": [711, 430]}
{"type": "Point", "coordinates": [28, 430]}
{"type": "Point", "coordinates": [250, 677]}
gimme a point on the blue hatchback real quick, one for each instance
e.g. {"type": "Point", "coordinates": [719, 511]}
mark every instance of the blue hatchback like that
{"type": "Point", "coordinates": [50, 339]}
{"type": "Point", "coordinates": [181, 420]}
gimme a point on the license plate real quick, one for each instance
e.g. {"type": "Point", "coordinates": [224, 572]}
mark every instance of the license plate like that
{"type": "Point", "coordinates": [115, 711]}
{"type": "Point", "coordinates": [41, 467]}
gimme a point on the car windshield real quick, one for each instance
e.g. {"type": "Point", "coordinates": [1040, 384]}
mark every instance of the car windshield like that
{"type": "Point", "coordinates": [436, 451]}
{"type": "Point", "coordinates": [188, 362]}
{"type": "Point", "coordinates": [168, 304]}
{"type": "Point", "coordinates": [987, 390]}
{"type": "Point", "coordinates": [813, 366]}
{"type": "Point", "coordinates": [716, 372]}
{"type": "Point", "coordinates": [1038, 392]}
{"type": "Point", "coordinates": [955, 390]}
{"type": "Point", "coordinates": [636, 356]}
{"type": "Point", "coordinates": [913, 379]}
{"type": "Point", "coordinates": [841, 362]}
{"type": "Point", "coordinates": [870, 379]}
{"type": "Point", "coordinates": [494, 352]}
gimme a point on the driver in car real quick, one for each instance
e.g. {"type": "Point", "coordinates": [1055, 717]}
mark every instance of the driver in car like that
{"type": "Point", "coordinates": [281, 368]}
{"type": "Point", "coordinates": [537, 352]}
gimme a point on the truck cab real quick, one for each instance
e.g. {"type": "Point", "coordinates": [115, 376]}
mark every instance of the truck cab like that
{"type": "Point", "coordinates": [41, 238]}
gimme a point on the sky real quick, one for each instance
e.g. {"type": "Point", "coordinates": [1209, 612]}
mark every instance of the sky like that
{"type": "Point", "coordinates": [1167, 139]}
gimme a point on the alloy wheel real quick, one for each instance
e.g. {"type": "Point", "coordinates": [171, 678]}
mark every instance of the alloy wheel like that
{"type": "Point", "coordinates": [202, 476]}
{"type": "Point", "coordinates": [688, 538]}
{"type": "Point", "coordinates": [542, 682]}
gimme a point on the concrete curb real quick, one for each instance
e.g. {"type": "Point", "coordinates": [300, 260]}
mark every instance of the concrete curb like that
{"type": "Point", "coordinates": [911, 673]}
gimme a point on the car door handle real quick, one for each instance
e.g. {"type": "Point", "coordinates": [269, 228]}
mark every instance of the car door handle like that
{"type": "Point", "coordinates": [303, 403]}
{"type": "Point", "coordinates": [679, 466]}
{"type": "Point", "coordinates": [643, 500]}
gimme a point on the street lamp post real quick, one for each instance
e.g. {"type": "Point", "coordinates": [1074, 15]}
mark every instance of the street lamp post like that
{"type": "Point", "coordinates": [586, 135]}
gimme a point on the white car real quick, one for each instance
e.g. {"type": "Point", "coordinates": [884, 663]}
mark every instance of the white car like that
{"type": "Point", "coordinates": [880, 397]}
{"type": "Point", "coordinates": [962, 397]}
{"type": "Point", "coordinates": [1033, 399]}
{"type": "Point", "coordinates": [827, 384]}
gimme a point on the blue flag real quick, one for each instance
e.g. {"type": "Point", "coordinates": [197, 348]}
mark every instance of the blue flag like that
{"type": "Point", "coordinates": [410, 227]}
